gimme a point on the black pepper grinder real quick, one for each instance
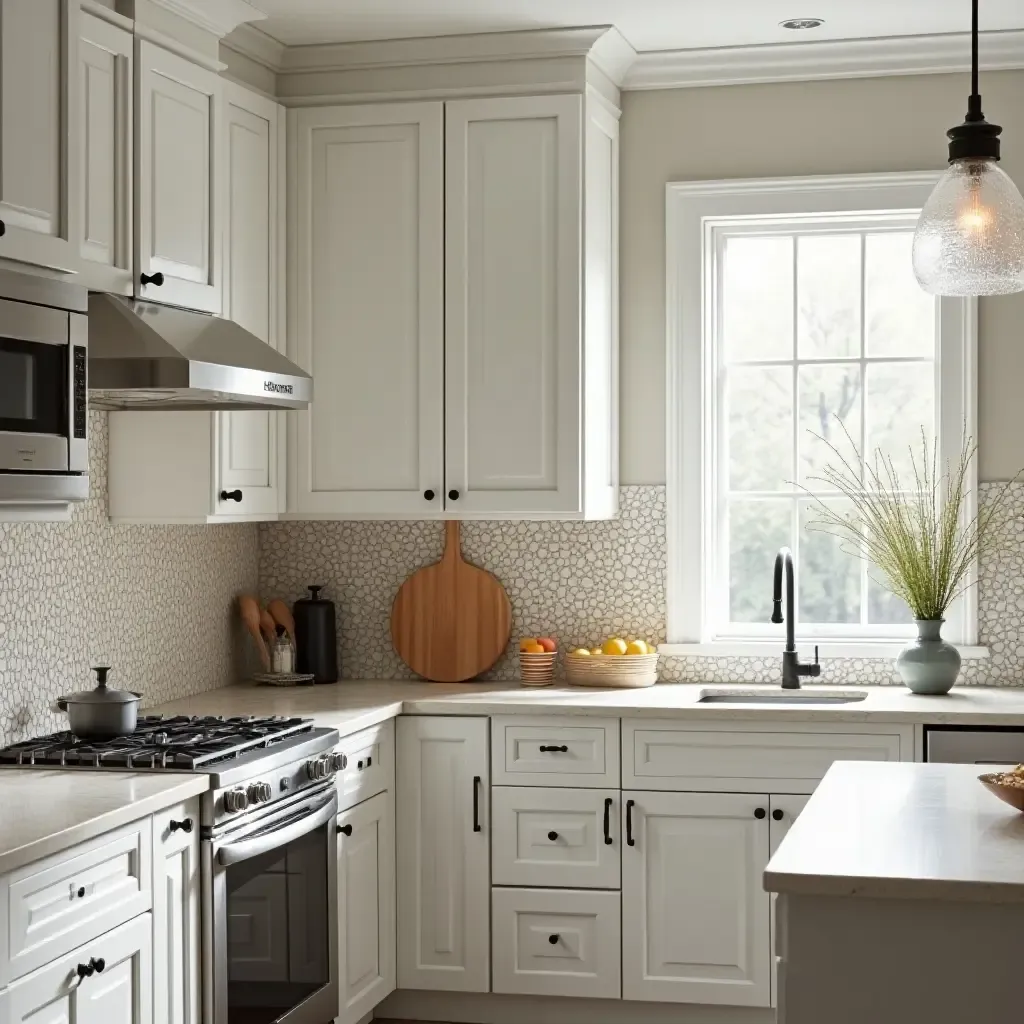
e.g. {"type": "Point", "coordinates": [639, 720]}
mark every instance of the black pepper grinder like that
{"type": "Point", "coordinates": [316, 637]}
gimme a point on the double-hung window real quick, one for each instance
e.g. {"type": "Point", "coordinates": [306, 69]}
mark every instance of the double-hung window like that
{"type": "Point", "coordinates": [794, 319]}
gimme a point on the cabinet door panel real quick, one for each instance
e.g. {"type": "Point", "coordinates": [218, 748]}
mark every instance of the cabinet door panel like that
{"type": "Point", "coordinates": [105, 155]}
{"type": "Point", "coordinates": [443, 877]}
{"type": "Point", "coordinates": [250, 455]}
{"type": "Point", "coordinates": [177, 183]}
{"type": "Point", "coordinates": [366, 297]}
{"type": "Point", "coordinates": [695, 925]}
{"type": "Point", "coordinates": [785, 810]}
{"type": "Point", "coordinates": [39, 202]}
{"type": "Point", "coordinates": [512, 316]}
{"type": "Point", "coordinates": [366, 906]}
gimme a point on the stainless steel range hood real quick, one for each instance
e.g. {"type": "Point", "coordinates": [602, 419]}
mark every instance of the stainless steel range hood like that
{"type": "Point", "coordinates": [144, 355]}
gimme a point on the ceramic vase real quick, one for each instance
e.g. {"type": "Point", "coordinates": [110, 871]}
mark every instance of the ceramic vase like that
{"type": "Point", "coordinates": [928, 665]}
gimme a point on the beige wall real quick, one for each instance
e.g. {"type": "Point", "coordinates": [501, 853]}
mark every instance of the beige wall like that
{"type": "Point", "coordinates": [873, 124]}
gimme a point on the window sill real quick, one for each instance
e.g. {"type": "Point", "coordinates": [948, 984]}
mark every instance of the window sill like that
{"type": "Point", "coordinates": [830, 649]}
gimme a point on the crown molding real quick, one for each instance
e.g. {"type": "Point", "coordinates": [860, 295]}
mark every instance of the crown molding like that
{"type": "Point", "coordinates": [603, 44]}
{"type": "Point", "coordinates": [217, 16]}
{"type": "Point", "coordinates": [255, 44]}
{"type": "Point", "coordinates": [828, 59]}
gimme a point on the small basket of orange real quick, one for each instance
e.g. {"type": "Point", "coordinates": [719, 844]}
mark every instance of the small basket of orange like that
{"type": "Point", "coordinates": [537, 657]}
{"type": "Point", "coordinates": [616, 663]}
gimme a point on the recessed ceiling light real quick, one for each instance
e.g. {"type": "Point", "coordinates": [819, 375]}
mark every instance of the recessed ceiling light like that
{"type": "Point", "coordinates": [800, 24]}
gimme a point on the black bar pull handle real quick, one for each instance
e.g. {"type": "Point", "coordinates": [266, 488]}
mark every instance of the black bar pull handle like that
{"type": "Point", "coordinates": [561, 749]}
{"type": "Point", "coordinates": [607, 821]}
{"type": "Point", "coordinates": [630, 841]}
{"type": "Point", "coordinates": [477, 827]}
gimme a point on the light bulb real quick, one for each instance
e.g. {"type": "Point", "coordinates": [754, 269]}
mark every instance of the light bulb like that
{"type": "Point", "coordinates": [970, 236]}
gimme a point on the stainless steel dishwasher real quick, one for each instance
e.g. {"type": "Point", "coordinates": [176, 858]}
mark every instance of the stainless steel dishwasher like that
{"type": "Point", "coordinates": [958, 745]}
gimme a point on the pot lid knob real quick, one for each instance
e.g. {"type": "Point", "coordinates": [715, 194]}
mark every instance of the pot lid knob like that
{"type": "Point", "coordinates": [101, 674]}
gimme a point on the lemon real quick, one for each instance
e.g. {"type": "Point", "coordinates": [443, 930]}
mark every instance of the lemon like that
{"type": "Point", "coordinates": [614, 645]}
{"type": "Point", "coordinates": [582, 650]}
{"type": "Point", "coordinates": [636, 647]}
{"type": "Point", "coordinates": [596, 650]}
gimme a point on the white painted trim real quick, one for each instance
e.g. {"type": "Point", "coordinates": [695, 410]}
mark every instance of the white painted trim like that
{"type": "Point", "coordinates": [760, 649]}
{"type": "Point", "coordinates": [827, 59]}
{"type": "Point", "coordinates": [254, 43]}
{"type": "Point", "coordinates": [104, 13]}
{"type": "Point", "coordinates": [172, 45]}
{"type": "Point", "coordinates": [217, 16]}
{"type": "Point", "coordinates": [692, 209]}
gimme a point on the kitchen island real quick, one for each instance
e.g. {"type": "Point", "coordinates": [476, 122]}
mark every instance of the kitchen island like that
{"type": "Point", "coordinates": [912, 876]}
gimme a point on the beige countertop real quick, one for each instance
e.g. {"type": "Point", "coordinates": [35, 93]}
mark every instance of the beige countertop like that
{"type": "Point", "coordinates": [903, 831]}
{"type": "Point", "coordinates": [356, 704]}
{"type": "Point", "coordinates": [45, 810]}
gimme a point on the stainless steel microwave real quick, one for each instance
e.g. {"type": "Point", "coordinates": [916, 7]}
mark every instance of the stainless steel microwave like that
{"type": "Point", "coordinates": [44, 424]}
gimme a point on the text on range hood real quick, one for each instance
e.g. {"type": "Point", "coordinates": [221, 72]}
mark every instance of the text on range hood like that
{"type": "Point", "coordinates": [144, 355]}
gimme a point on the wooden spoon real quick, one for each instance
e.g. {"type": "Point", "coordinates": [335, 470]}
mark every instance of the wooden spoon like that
{"type": "Point", "coordinates": [282, 615]}
{"type": "Point", "coordinates": [268, 625]}
{"type": "Point", "coordinates": [250, 609]}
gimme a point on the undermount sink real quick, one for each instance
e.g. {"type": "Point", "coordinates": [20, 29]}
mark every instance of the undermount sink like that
{"type": "Point", "coordinates": [815, 698]}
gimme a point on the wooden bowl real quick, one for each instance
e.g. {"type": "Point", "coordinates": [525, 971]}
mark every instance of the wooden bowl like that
{"type": "Point", "coordinates": [537, 669]}
{"type": "Point", "coordinates": [614, 670]}
{"type": "Point", "coordinates": [1012, 795]}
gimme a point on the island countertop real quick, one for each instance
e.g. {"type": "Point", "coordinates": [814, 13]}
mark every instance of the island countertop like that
{"type": "Point", "coordinates": [903, 831]}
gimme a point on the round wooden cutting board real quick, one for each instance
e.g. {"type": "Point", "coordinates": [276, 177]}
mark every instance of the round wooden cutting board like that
{"type": "Point", "coordinates": [451, 621]}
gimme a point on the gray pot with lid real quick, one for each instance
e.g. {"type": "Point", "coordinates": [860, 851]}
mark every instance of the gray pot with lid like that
{"type": "Point", "coordinates": [101, 713]}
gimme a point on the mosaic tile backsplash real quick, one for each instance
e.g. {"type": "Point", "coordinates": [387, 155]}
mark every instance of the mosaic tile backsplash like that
{"type": "Point", "coordinates": [579, 582]}
{"type": "Point", "coordinates": [155, 602]}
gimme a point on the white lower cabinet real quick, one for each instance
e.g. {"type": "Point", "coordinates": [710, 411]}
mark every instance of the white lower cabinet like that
{"type": "Point", "coordinates": [443, 831]}
{"type": "Point", "coordinates": [695, 925]}
{"type": "Point", "coordinates": [106, 981]}
{"type": "Point", "coordinates": [557, 942]}
{"type": "Point", "coordinates": [366, 907]}
{"type": "Point", "coordinates": [785, 810]}
{"type": "Point", "coordinates": [176, 975]}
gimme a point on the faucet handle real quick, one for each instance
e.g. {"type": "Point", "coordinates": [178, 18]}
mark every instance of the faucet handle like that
{"type": "Point", "coordinates": [815, 654]}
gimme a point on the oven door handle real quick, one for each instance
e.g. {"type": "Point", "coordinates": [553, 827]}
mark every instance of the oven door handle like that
{"type": "Point", "coordinates": [320, 815]}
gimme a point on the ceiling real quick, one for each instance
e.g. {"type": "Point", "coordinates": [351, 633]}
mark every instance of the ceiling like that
{"type": "Point", "coordinates": [647, 24]}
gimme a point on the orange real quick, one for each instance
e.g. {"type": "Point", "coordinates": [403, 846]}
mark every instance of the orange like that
{"type": "Point", "coordinates": [533, 649]}
{"type": "Point", "coordinates": [527, 641]}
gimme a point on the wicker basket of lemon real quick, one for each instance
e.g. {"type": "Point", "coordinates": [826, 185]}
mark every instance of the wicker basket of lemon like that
{"type": "Point", "coordinates": [616, 663]}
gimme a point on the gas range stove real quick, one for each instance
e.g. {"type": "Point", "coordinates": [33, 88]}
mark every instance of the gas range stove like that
{"type": "Point", "coordinates": [252, 762]}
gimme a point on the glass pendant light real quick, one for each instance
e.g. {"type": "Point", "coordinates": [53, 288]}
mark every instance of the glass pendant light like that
{"type": "Point", "coordinates": [970, 236]}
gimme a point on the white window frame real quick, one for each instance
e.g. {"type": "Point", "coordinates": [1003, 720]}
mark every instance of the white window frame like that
{"type": "Point", "coordinates": [697, 213]}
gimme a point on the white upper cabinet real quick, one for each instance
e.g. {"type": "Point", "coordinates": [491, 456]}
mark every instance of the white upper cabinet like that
{"type": "Point", "coordinates": [251, 445]}
{"type": "Point", "coordinates": [104, 91]}
{"type": "Point", "coordinates": [440, 296]}
{"type": "Point", "coordinates": [220, 467]}
{"type": "Point", "coordinates": [178, 198]}
{"type": "Point", "coordinates": [695, 917]}
{"type": "Point", "coordinates": [366, 279]}
{"type": "Point", "coordinates": [39, 197]}
{"type": "Point", "coordinates": [512, 304]}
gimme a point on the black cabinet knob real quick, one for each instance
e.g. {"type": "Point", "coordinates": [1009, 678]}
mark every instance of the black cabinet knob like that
{"type": "Point", "coordinates": [553, 939]}
{"type": "Point", "coordinates": [85, 970]}
{"type": "Point", "coordinates": [3, 228]}
{"type": "Point", "coordinates": [235, 495]}
{"type": "Point", "coordinates": [185, 825]}
{"type": "Point", "coordinates": [760, 813]}
{"type": "Point", "coordinates": [98, 963]}
{"type": "Point", "coordinates": [552, 836]}
{"type": "Point", "coordinates": [345, 830]}
{"type": "Point", "coordinates": [777, 815]}
{"type": "Point", "coordinates": [154, 279]}
{"type": "Point", "coordinates": [359, 765]}
{"type": "Point", "coordinates": [428, 494]}
{"type": "Point", "coordinates": [453, 494]}
{"type": "Point", "coordinates": [81, 892]}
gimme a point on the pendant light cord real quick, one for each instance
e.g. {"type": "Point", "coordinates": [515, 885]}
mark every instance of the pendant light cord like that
{"type": "Point", "coordinates": [974, 103]}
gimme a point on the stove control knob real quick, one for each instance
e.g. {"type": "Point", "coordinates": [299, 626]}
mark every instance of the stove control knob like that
{"type": "Point", "coordinates": [236, 800]}
{"type": "Point", "coordinates": [317, 768]}
{"type": "Point", "coordinates": [339, 762]}
{"type": "Point", "coordinates": [259, 792]}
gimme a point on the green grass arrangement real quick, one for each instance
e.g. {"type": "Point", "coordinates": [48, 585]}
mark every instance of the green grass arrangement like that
{"type": "Point", "coordinates": [912, 531]}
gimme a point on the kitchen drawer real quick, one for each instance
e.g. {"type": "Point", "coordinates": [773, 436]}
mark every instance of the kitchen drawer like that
{"type": "Point", "coordinates": [371, 764]}
{"type": "Point", "coordinates": [69, 898]}
{"type": "Point", "coordinates": [549, 750]}
{"type": "Point", "coordinates": [556, 942]}
{"type": "Point", "coordinates": [716, 758]}
{"type": "Point", "coordinates": [555, 837]}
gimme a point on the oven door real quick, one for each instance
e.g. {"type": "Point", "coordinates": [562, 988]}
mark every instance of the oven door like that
{"type": "Point", "coordinates": [270, 918]}
{"type": "Point", "coordinates": [36, 388]}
